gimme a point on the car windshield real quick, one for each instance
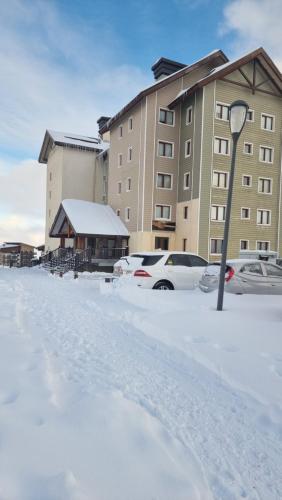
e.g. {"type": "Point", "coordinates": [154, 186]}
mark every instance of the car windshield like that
{"type": "Point", "coordinates": [148, 260]}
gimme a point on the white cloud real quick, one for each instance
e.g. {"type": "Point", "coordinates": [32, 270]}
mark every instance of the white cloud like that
{"type": "Point", "coordinates": [22, 202]}
{"type": "Point", "coordinates": [254, 23]}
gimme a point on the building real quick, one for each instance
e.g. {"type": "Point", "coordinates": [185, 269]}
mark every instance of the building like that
{"type": "Point", "coordinates": [16, 254]}
{"type": "Point", "coordinates": [77, 168]}
{"type": "Point", "coordinates": [166, 172]}
{"type": "Point", "coordinates": [170, 157]}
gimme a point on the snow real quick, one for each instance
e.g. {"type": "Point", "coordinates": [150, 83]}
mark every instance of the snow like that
{"type": "Point", "coordinates": [109, 392]}
{"type": "Point", "coordinates": [93, 218]}
{"type": "Point", "coordinates": [78, 140]}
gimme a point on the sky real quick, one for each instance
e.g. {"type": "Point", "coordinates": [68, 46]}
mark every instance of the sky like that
{"type": "Point", "coordinates": [64, 63]}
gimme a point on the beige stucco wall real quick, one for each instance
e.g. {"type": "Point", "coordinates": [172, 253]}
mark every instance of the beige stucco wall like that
{"type": "Point", "coordinates": [187, 228]}
{"type": "Point", "coordinates": [145, 240]}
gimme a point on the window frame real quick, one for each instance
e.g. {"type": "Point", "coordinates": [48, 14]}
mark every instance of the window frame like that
{"type": "Point", "coordinates": [120, 160]}
{"type": "Point", "coordinates": [129, 154]}
{"type": "Point", "coordinates": [119, 187]}
{"type": "Point", "coordinates": [253, 115]}
{"type": "Point", "coordinates": [127, 214]}
{"type": "Point", "coordinates": [162, 108]}
{"type": "Point", "coordinates": [189, 141]}
{"type": "Point", "coordinates": [186, 213]}
{"type": "Point", "coordinates": [216, 239]}
{"type": "Point", "coordinates": [245, 249]}
{"type": "Point", "coordinates": [190, 108]}
{"type": "Point", "coordinates": [216, 205]}
{"type": "Point", "coordinates": [225, 105]}
{"type": "Point", "coordinates": [120, 128]}
{"type": "Point", "coordinates": [245, 218]}
{"type": "Point", "coordinates": [267, 115]}
{"type": "Point", "coordinates": [172, 149]}
{"type": "Point", "coordinates": [252, 145]}
{"type": "Point", "coordinates": [272, 155]}
{"type": "Point", "coordinates": [163, 205]}
{"type": "Point", "coordinates": [130, 119]}
{"type": "Point", "coordinates": [263, 241]}
{"type": "Point", "coordinates": [188, 175]}
{"type": "Point", "coordinates": [128, 189]}
{"type": "Point", "coordinates": [221, 139]}
{"type": "Point", "coordinates": [171, 183]}
{"type": "Point", "coordinates": [271, 184]}
{"type": "Point", "coordinates": [270, 216]}
{"type": "Point", "coordinates": [220, 172]}
{"type": "Point", "coordinates": [251, 179]}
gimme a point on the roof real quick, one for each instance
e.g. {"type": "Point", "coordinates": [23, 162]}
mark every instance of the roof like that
{"type": "Point", "coordinates": [53, 137]}
{"type": "Point", "coordinates": [88, 218]}
{"type": "Point", "coordinates": [225, 69]}
{"type": "Point", "coordinates": [216, 58]}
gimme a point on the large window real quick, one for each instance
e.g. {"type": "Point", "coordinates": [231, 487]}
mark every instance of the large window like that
{"type": "Point", "coordinates": [219, 179]}
{"type": "Point", "coordinates": [266, 154]}
{"type": "Point", "coordinates": [221, 146]}
{"type": "Point", "coordinates": [166, 117]}
{"type": "Point", "coordinates": [216, 246]}
{"type": "Point", "coordinates": [166, 149]}
{"type": "Point", "coordinates": [264, 217]}
{"type": "Point", "coordinates": [163, 212]}
{"type": "Point", "coordinates": [267, 122]}
{"type": "Point", "coordinates": [264, 185]}
{"type": "Point", "coordinates": [222, 111]}
{"type": "Point", "coordinates": [161, 244]}
{"type": "Point", "coordinates": [164, 181]}
{"type": "Point", "coordinates": [218, 213]}
{"type": "Point", "coordinates": [263, 246]}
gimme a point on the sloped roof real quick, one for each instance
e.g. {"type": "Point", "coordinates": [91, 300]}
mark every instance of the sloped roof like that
{"type": "Point", "coordinates": [88, 218]}
{"type": "Point", "coordinates": [259, 54]}
{"type": "Point", "coordinates": [68, 139]}
{"type": "Point", "coordinates": [217, 57]}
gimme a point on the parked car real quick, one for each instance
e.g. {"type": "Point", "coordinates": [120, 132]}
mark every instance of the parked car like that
{"type": "Point", "coordinates": [244, 276]}
{"type": "Point", "coordinates": [162, 270]}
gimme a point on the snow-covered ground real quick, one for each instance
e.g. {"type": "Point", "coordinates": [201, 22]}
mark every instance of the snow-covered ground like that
{"type": "Point", "coordinates": [109, 392]}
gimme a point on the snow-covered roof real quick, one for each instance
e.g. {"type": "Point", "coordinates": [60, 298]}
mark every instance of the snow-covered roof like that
{"type": "Point", "coordinates": [9, 245]}
{"type": "Point", "coordinates": [93, 218]}
{"type": "Point", "coordinates": [71, 140]}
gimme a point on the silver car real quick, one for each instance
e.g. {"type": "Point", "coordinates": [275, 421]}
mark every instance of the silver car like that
{"type": "Point", "coordinates": [244, 276]}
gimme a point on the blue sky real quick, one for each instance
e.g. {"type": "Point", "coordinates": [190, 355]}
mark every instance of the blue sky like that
{"type": "Point", "coordinates": [66, 62]}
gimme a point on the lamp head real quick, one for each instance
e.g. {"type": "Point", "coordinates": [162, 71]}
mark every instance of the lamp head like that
{"type": "Point", "coordinates": [237, 116]}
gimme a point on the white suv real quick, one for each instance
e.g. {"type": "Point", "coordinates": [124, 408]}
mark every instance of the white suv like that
{"type": "Point", "coordinates": [162, 270]}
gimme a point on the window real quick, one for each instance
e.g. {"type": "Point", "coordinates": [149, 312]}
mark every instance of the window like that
{"type": "Point", "coordinates": [119, 187]}
{"type": "Point", "coordinates": [130, 124]}
{"type": "Point", "coordinates": [246, 181]}
{"type": "Point", "coordinates": [196, 261]}
{"type": "Point", "coordinates": [178, 259]}
{"type": "Point", "coordinates": [160, 244]}
{"type": "Point", "coordinates": [118, 212]}
{"type": "Point", "coordinates": [264, 217]}
{"type": "Point", "coordinates": [50, 176]}
{"type": "Point", "coordinates": [120, 131]}
{"type": "Point", "coordinates": [127, 214]}
{"type": "Point", "coordinates": [266, 154]}
{"type": "Point", "coordinates": [219, 179]}
{"type": "Point", "coordinates": [264, 185]}
{"type": "Point", "coordinates": [186, 184]}
{"type": "Point", "coordinates": [221, 146]}
{"type": "Point", "coordinates": [162, 212]}
{"type": "Point", "coordinates": [222, 111]}
{"type": "Point", "coordinates": [272, 270]}
{"type": "Point", "coordinates": [245, 213]}
{"type": "Point", "coordinates": [252, 268]}
{"type": "Point", "coordinates": [129, 154]}
{"type": "Point", "coordinates": [120, 160]}
{"type": "Point", "coordinates": [166, 149]}
{"type": "Point", "coordinates": [188, 148]}
{"type": "Point", "coordinates": [184, 244]}
{"type": "Point", "coordinates": [166, 117]}
{"type": "Point", "coordinates": [267, 122]}
{"type": "Point", "coordinates": [250, 115]}
{"type": "Point", "coordinates": [218, 213]}
{"type": "Point", "coordinates": [164, 181]}
{"type": "Point", "coordinates": [128, 184]}
{"type": "Point", "coordinates": [263, 246]}
{"type": "Point", "coordinates": [248, 148]}
{"type": "Point", "coordinates": [244, 244]}
{"type": "Point", "coordinates": [216, 246]}
{"type": "Point", "coordinates": [189, 115]}
{"type": "Point", "coordinates": [185, 213]}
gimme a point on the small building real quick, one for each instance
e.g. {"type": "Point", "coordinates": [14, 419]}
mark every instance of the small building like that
{"type": "Point", "coordinates": [16, 254]}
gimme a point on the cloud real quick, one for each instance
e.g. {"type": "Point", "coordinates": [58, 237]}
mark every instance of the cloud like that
{"type": "Point", "coordinates": [252, 24]}
{"type": "Point", "coordinates": [22, 201]}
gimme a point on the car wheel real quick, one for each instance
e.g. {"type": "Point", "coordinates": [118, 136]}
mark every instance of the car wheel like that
{"type": "Point", "coordinates": [163, 285]}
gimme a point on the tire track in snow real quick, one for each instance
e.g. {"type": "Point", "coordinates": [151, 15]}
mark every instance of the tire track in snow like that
{"type": "Point", "coordinates": [213, 420]}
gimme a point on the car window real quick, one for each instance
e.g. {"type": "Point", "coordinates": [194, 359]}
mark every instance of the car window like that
{"type": "Point", "coordinates": [148, 260]}
{"type": "Point", "coordinates": [252, 268]}
{"type": "Point", "coordinates": [197, 261]}
{"type": "Point", "coordinates": [273, 270]}
{"type": "Point", "coordinates": [178, 259]}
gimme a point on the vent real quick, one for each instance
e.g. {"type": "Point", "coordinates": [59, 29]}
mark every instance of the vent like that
{"type": "Point", "coordinates": [164, 67]}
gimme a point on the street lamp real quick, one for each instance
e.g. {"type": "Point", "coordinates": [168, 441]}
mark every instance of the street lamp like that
{"type": "Point", "coordinates": [237, 118]}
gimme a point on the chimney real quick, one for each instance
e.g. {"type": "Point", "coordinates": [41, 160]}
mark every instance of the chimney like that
{"type": "Point", "coordinates": [164, 67]}
{"type": "Point", "coordinates": [102, 121]}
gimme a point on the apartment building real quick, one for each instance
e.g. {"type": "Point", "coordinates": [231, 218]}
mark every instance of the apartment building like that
{"type": "Point", "coordinates": [170, 157]}
{"type": "Point", "coordinates": [77, 168]}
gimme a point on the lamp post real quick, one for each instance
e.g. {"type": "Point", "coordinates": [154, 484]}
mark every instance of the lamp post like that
{"type": "Point", "coordinates": [237, 118]}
